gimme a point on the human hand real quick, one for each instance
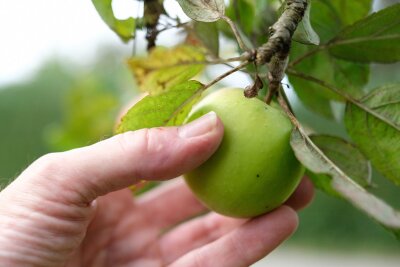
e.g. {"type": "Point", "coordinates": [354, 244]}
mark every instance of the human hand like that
{"type": "Point", "coordinates": [73, 208]}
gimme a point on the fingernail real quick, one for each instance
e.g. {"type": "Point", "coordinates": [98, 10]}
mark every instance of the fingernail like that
{"type": "Point", "coordinates": [199, 126]}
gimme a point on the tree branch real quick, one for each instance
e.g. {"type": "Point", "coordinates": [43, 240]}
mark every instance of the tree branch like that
{"type": "Point", "coordinates": [282, 31]}
{"type": "Point", "coordinates": [245, 57]}
{"type": "Point", "coordinates": [276, 72]}
{"type": "Point", "coordinates": [151, 14]}
{"type": "Point", "coordinates": [276, 50]}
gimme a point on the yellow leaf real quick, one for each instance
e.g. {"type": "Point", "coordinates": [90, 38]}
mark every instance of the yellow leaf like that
{"type": "Point", "coordinates": [164, 67]}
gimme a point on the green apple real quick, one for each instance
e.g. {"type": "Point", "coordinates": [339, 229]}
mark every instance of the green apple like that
{"type": "Point", "coordinates": [254, 170]}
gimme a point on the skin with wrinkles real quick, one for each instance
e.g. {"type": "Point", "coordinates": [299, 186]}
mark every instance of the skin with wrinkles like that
{"type": "Point", "coordinates": [73, 208]}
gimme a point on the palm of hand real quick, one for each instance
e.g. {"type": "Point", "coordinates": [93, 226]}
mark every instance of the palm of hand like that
{"type": "Point", "coordinates": [127, 232]}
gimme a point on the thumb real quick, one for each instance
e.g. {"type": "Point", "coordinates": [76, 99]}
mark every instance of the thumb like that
{"type": "Point", "coordinates": [83, 174]}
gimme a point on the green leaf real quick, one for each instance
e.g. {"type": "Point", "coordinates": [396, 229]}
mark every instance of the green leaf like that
{"type": "Point", "coordinates": [164, 68]}
{"type": "Point", "coordinates": [243, 13]}
{"type": "Point", "coordinates": [377, 132]}
{"type": "Point", "coordinates": [253, 18]}
{"type": "Point", "coordinates": [166, 109]}
{"type": "Point", "coordinates": [203, 10]}
{"type": "Point", "coordinates": [346, 156]}
{"type": "Point", "coordinates": [208, 35]}
{"type": "Point", "coordinates": [351, 11]}
{"type": "Point", "coordinates": [372, 39]}
{"type": "Point", "coordinates": [305, 33]}
{"type": "Point", "coordinates": [328, 17]}
{"type": "Point", "coordinates": [265, 17]}
{"type": "Point", "coordinates": [348, 76]}
{"type": "Point", "coordinates": [317, 162]}
{"type": "Point", "coordinates": [320, 66]}
{"type": "Point", "coordinates": [322, 182]}
{"type": "Point", "coordinates": [325, 19]}
{"type": "Point", "coordinates": [89, 114]}
{"type": "Point", "coordinates": [309, 94]}
{"type": "Point", "coordinates": [124, 28]}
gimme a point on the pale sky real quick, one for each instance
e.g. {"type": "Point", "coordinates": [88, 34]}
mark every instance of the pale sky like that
{"type": "Point", "coordinates": [32, 31]}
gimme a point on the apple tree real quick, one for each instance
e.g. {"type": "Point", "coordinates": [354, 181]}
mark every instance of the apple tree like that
{"type": "Point", "coordinates": [325, 48]}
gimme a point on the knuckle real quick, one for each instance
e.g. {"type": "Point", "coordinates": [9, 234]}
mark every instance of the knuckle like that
{"type": "Point", "coordinates": [130, 142]}
{"type": "Point", "coordinates": [237, 249]}
{"type": "Point", "coordinates": [145, 141]}
{"type": "Point", "coordinates": [149, 151]}
{"type": "Point", "coordinates": [212, 227]}
{"type": "Point", "coordinates": [47, 164]}
{"type": "Point", "coordinates": [151, 141]}
{"type": "Point", "coordinates": [292, 219]}
{"type": "Point", "coordinates": [124, 141]}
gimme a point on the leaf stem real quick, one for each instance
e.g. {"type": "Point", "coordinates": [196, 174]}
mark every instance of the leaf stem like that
{"type": "Point", "coordinates": [307, 55]}
{"type": "Point", "coordinates": [282, 100]}
{"type": "Point", "coordinates": [224, 75]}
{"type": "Point", "coordinates": [236, 32]}
{"type": "Point", "coordinates": [346, 96]}
{"type": "Point", "coordinates": [205, 87]}
{"type": "Point", "coordinates": [245, 57]}
{"type": "Point", "coordinates": [170, 26]}
{"type": "Point", "coordinates": [342, 183]}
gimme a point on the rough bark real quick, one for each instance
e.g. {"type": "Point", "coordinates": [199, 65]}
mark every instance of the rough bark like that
{"type": "Point", "coordinates": [282, 31]}
{"type": "Point", "coordinates": [276, 51]}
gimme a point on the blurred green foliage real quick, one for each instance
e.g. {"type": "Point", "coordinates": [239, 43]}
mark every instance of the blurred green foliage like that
{"type": "Point", "coordinates": [91, 109]}
{"type": "Point", "coordinates": [62, 107]}
{"type": "Point", "coordinates": [65, 106]}
{"type": "Point", "coordinates": [25, 111]}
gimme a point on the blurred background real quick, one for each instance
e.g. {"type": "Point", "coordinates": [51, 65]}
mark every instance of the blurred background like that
{"type": "Point", "coordinates": [63, 80]}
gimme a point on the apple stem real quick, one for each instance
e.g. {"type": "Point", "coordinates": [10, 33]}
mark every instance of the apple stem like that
{"type": "Point", "coordinates": [252, 90]}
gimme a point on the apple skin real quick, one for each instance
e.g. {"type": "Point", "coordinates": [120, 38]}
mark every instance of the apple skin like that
{"type": "Point", "coordinates": [254, 170]}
